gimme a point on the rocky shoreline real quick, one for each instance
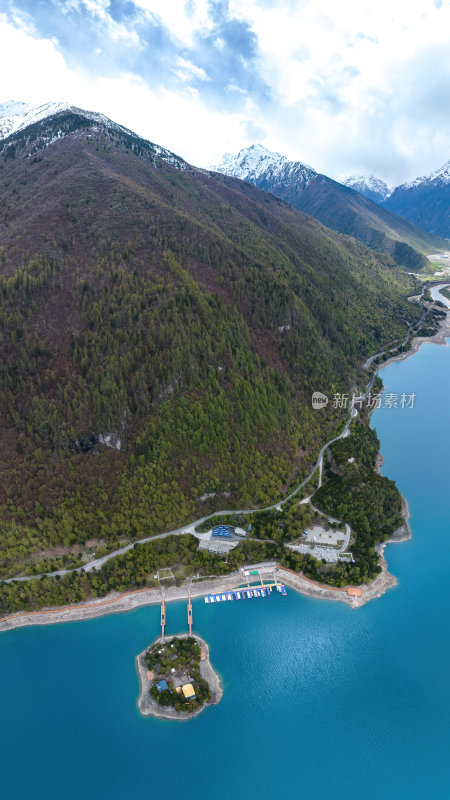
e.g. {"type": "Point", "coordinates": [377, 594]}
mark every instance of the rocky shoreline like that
{"type": "Point", "coordinates": [438, 338]}
{"type": "Point", "coordinates": [148, 707]}
{"type": "Point", "coordinates": [370, 591]}
{"type": "Point", "coordinates": [403, 532]}
{"type": "Point", "coordinates": [119, 603]}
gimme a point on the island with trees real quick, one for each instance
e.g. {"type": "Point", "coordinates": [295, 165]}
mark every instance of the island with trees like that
{"type": "Point", "coordinates": [176, 677]}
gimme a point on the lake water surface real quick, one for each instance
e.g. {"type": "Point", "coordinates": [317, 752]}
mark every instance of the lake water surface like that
{"type": "Point", "coordinates": [320, 700]}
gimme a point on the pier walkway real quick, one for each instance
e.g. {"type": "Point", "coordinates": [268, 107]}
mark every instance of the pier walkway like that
{"type": "Point", "coordinates": [261, 589]}
{"type": "Point", "coordinates": [163, 614]}
{"type": "Point", "coordinates": [189, 611]}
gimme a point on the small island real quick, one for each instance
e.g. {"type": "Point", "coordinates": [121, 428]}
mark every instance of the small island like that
{"type": "Point", "coordinates": [176, 677]}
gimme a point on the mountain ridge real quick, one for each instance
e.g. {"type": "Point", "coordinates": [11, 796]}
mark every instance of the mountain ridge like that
{"type": "Point", "coordinates": [337, 206]}
{"type": "Point", "coordinates": [34, 118]}
{"type": "Point", "coordinates": [16, 115]}
{"type": "Point", "coordinates": [425, 201]}
{"type": "Point", "coordinates": [186, 313]}
{"type": "Point", "coordinates": [254, 161]}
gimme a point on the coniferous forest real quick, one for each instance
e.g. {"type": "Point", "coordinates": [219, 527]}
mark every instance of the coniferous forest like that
{"type": "Point", "coordinates": [162, 331]}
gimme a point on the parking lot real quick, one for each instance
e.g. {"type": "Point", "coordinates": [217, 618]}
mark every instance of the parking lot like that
{"type": "Point", "coordinates": [326, 543]}
{"type": "Point", "coordinates": [325, 536]}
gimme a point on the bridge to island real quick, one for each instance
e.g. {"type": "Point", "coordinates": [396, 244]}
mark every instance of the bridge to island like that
{"type": "Point", "coordinates": [253, 584]}
{"type": "Point", "coordinates": [258, 580]}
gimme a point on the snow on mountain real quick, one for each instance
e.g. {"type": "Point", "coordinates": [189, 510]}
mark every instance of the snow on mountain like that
{"type": "Point", "coordinates": [15, 115]}
{"type": "Point", "coordinates": [369, 186]}
{"type": "Point", "coordinates": [377, 190]}
{"type": "Point", "coordinates": [441, 175]}
{"type": "Point", "coordinates": [252, 163]}
{"type": "Point", "coordinates": [425, 201]}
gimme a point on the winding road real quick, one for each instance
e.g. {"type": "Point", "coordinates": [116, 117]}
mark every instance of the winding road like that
{"type": "Point", "coordinates": [185, 529]}
{"type": "Point", "coordinates": [96, 564]}
{"type": "Point", "coordinates": [410, 329]}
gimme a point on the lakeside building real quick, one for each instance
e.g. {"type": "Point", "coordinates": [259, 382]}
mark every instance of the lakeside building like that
{"type": "Point", "coordinates": [223, 530]}
{"type": "Point", "coordinates": [188, 691]}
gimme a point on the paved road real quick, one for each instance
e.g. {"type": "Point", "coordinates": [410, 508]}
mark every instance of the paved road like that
{"type": "Point", "coordinates": [98, 562]}
{"type": "Point", "coordinates": [410, 329]}
{"type": "Point", "coordinates": [185, 529]}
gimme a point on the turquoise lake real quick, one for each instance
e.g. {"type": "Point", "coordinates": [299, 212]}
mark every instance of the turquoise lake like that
{"type": "Point", "coordinates": [320, 701]}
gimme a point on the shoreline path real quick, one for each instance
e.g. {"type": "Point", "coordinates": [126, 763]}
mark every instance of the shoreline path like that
{"type": "Point", "coordinates": [189, 528]}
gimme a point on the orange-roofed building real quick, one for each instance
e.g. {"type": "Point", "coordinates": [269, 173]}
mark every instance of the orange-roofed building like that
{"type": "Point", "coordinates": [188, 691]}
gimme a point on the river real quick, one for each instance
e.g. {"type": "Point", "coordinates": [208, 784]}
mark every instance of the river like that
{"type": "Point", "coordinates": [320, 700]}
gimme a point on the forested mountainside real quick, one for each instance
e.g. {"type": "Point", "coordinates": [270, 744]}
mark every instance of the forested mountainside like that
{"type": "Point", "coordinates": [335, 205]}
{"type": "Point", "coordinates": [162, 331]}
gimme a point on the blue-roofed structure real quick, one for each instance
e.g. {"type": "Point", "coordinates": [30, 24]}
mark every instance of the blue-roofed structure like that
{"type": "Point", "coordinates": [222, 530]}
{"type": "Point", "coordinates": [161, 685]}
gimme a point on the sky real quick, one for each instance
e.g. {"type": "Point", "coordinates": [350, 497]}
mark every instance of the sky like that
{"type": "Point", "coordinates": [348, 87]}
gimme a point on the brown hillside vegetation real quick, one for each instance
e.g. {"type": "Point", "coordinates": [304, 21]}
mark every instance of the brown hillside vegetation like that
{"type": "Point", "coordinates": [144, 299]}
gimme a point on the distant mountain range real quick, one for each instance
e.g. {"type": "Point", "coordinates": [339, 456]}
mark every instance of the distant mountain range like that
{"type": "Point", "coordinates": [341, 207]}
{"type": "Point", "coordinates": [425, 201]}
{"type": "Point", "coordinates": [163, 329]}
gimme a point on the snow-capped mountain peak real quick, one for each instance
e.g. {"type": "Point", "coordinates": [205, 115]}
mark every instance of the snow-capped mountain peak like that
{"type": "Point", "coordinates": [441, 175]}
{"type": "Point", "coordinates": [253, 160]}
{"type": "Point", "coordinates": [15, 115]}
{"type": "Point", "coordinates": [371, 187]}
{"type": "Point", "coordinates": [256, 161]}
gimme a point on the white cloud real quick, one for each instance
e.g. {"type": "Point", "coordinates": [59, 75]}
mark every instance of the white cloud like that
{"type": "Point", "coordinates": [99, 9]}
{"type": "Point", "coordinates": [334, 72]}
{"type": "Point", "coordinates": [352, 87]}
{"type": "Point", "coordinates": [187, 70]}
{"type": "Point", "coordinates": [181, 122]}
{"type": "Point", "coordinates": [183, 19]}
